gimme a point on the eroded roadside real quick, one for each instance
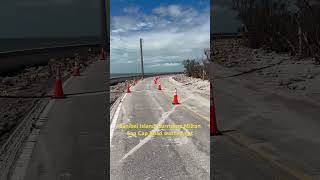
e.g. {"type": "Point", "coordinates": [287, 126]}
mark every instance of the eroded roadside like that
{"type": "Point", "coordinates": [271, 111]}
{"type": "Point", "coordinates": [32, 81]}
{"type": "Point", "coordinates": [299, 77]}
{"type": "Point", "coordinates": [117, 90]}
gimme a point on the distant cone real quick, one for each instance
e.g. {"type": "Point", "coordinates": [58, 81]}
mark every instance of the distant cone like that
{"type": "Point", "coordinates": [76, 69]}
{"type": "Point", "coordinates": [58, 90]}
{"type": "Point", "coordinates": [128, 88]}
{"type": "Point", "coordinates": [175, 97]}
{"type": "Point", "coordinates": [213, 121]}
{"type": "Point", "coordinates": [159, 86]}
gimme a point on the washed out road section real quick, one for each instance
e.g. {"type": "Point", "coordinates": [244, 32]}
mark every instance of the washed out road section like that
{"type": "Point", "coordinates": [135, 156]}
{"type": "Point", "coordinates": [279, 125]}
{"type": "Point", "coordinates": [72, 143]}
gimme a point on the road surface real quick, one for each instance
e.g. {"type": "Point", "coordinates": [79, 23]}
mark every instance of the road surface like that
{"type": "Point", "coordinates": [160, 157]}
{"type": "Point", "coordinates": [284, 130]}
{"type": "Point", "coordinates": [72, 143]}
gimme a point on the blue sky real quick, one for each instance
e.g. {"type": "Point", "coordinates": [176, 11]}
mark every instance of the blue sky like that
{"type": "Point", "coordinates": [172, 31]}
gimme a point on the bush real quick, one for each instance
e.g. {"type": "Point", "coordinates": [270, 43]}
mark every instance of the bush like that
{"type": "Point", "coordinates": [195, 69]}
{"type": "Point", "coordinates": [282, 25]}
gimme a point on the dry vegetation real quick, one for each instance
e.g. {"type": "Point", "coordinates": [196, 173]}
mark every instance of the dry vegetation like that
{"type": "Point", "coordinates": [198, 69]}
{"type": "Point", "coordinates": [282, 25]}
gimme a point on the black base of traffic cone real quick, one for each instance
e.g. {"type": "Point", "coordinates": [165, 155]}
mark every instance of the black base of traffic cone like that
{"type": "Point", "coordinates": [217, 133]}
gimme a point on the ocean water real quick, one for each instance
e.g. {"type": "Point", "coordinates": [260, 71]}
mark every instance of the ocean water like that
{"type": "Point", "coordinates": [12, 44]}
{"type": "Point", "coordinates": [117, 75]}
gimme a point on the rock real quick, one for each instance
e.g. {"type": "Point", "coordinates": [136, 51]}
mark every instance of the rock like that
{"type": "Point", "coordinates": [65, 73]}
{"type": "Point", "coordinates": [43, 75]}
{"type": "Point", "coordinates": [33, 77]}
{"type": "Point", "coordinates": [30, 69]}
{"type": "Point", "coordinates": [9, 81]}
{"type": "Point", "coordinates": [40, 68]}
{"type": "Point", "coordinates": [292, 86]}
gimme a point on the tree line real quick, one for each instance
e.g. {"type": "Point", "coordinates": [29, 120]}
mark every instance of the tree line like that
{"type": "Point", "coordinates": [282, 25]}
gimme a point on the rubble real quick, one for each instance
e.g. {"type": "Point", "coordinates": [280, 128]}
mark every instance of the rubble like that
{"type": "Point", "coordinates": [290, 73]}
{"type": "Point", "coordinates": [117, 90]}
{"type": "Point", "coordinates": [194, 83]}
{"type": "Point", "coordinates": [32, 81]}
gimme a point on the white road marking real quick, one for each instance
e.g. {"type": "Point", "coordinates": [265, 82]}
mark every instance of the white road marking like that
{"type": "Point", "coordinates": [24, 158]}
{"type": "Point", "coordinates": [64, 85]}
{"type": "Point", "coordinates": [47, 109]}
{"type": "Point", "coordinates": [87, 94]}
{"type": "Point", "coordinates": [124, 112]}
{"type": "Point", "coordinates": [148, 138]}
{"type": "Point", "coordinates": [115, 118]}
{"type": "Point", "coordinates": [161, 121]}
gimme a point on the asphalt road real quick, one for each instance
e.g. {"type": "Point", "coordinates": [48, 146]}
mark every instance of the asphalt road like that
{"type": "Point", "coordinates": [283, 129]}
{"type": "Point", "coordinates": [72, 144]}
{"type": "Point", "coordinates": [160, 157]}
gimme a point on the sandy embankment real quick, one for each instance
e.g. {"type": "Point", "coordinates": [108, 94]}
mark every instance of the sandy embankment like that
{"type": "Point", "coordinates": [292, 75]}
{"type": "Point", "coordinates": [202, 86]}
{"type": "Point", "coordinates": [117, 90]}
{"type": "Point", "coordinates": [33, 81]}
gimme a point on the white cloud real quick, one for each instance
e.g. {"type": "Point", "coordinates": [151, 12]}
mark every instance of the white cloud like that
{"type": "Point", "coordinates": [118, 30]}
{"type": "Point", "coordinates": [171, 64]}
{"type": "Point", "coordinates": [166, 42]}
{"type": "Point", "coordinates": [175, 11]}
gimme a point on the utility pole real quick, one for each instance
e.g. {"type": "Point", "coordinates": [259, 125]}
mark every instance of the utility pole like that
{"type": "Point", "coordinates": [142, 71]}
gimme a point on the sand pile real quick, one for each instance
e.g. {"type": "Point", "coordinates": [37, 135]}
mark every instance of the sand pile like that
{"type": "Point", "coordinates": [291, 74]}
{"type": "Point", "coordinates": [193, 83]}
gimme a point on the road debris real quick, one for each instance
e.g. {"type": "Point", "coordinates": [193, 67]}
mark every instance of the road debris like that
{"type": "Point", "coordinates": [32, 81]}
{"type": "Point", "coordinates": [293, 74]}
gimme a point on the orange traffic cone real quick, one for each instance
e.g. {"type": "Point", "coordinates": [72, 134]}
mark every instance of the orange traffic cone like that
{"type": "Point", "coordinates": [159, 86]}
{"type": "Point", "coordinates": [76, 69]}
{"type": "Point", "coordinates": [58, 91]}
{"type": "Point", "coordinates": [128, 88]}
{"type": "Point", "coordinates": [175, 97]}
{"type": "Point", "coordinates": [103, 54]}
{"type": "Point", "coordinates": [213, 122]}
